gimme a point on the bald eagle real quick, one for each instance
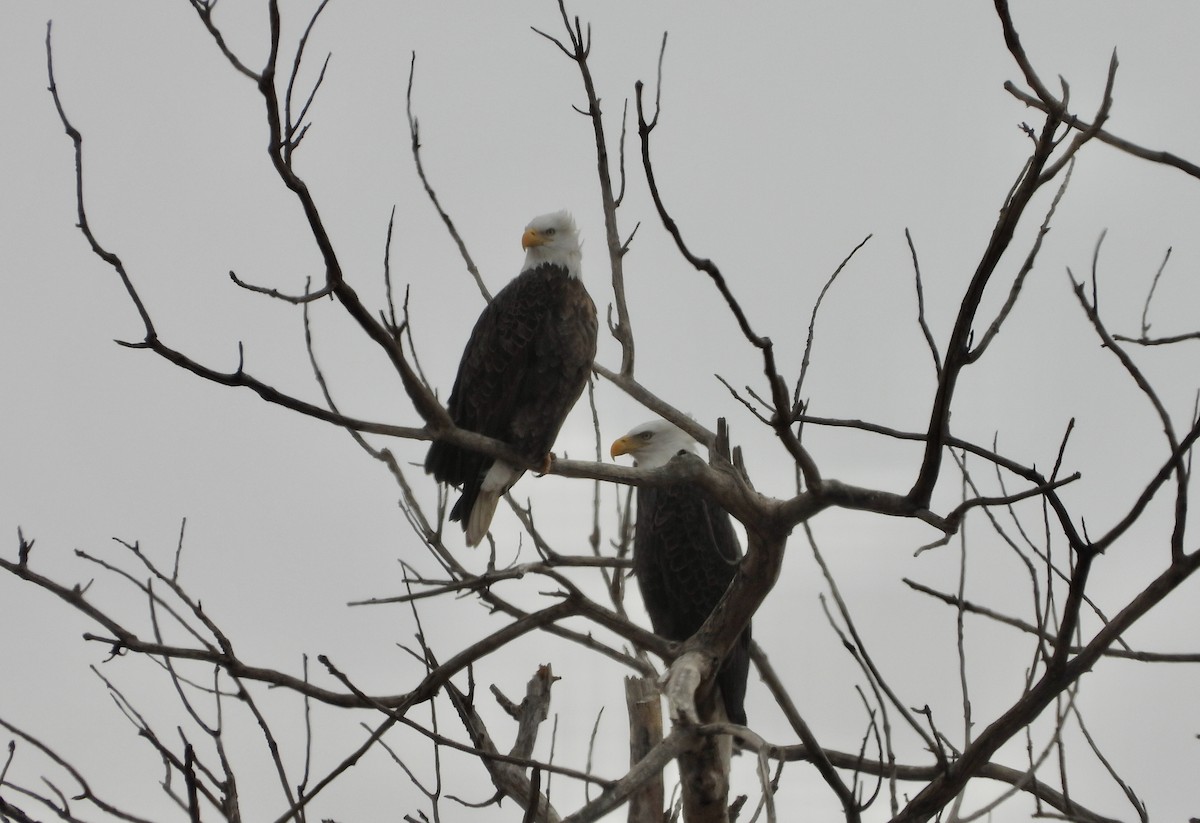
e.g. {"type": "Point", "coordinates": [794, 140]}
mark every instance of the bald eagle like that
{"type": "Point", "coordinates": [525, 365]}
{"type": "Point", "coordinates": [685, 554]}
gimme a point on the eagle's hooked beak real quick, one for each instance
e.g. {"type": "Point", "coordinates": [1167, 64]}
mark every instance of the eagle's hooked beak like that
{"type": "Point", "coordinates": [531, 238]}
{"type": "Point", "coordinates": [623, 445]}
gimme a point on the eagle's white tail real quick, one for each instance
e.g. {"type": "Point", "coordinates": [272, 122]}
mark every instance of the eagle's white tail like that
{"type": "Point", "coordinates": [499, 479]}
{"type": "Point", "coordinates": [481, 516]}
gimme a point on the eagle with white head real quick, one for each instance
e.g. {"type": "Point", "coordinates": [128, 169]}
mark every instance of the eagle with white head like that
{"type": "Point", "coordinates": [685, 553]}
{"type": "Point", "coordinates": [525, 364]}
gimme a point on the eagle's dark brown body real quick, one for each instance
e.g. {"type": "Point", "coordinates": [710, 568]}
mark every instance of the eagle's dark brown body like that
{"type": "Point", "coordinates": [525, 365]}
{"type": "Point", "coordinates": [685, 555]}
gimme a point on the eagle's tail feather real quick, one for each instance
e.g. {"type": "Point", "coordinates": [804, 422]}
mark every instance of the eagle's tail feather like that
{"type": "Point", "coordinates": [478, 504]}
{"type": "Point", "coordinates": [477, 524]}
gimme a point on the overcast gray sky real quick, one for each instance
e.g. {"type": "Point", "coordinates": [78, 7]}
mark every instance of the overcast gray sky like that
{"type": "Point", "coordinates": [789, 132]}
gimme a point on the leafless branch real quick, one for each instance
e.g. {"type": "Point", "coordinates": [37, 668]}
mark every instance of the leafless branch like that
{"type": "Point", "coordinates": [307, 297]}
{"type": "Point", "coordinates": [84, 791]}
{"type": "Point", "coordinates": [1050, 637]}
{"type": "Point", "coordinates": [1178, 448]}
{"type": "Point", "coordinates": [1152, 155]}
{"type": "Point", "coordinates": [204, 9]}
{"type": "Point", "coordinates": [855, 645]}
{"type": "Point", "coordinates": [826, 769]}
{"type": "Point", "coordinates": [294, 131]}
{"type": "Point", "coordinates": [1019, 281]}
{"type": "Point", "coordinates": [812, 323]}
{"type": "Point", "coordinates": [578, 50]}
{"type": "Point", "coordinates": [414, 132]}
{"type": "Point", "coordinates": [783, 411]}
{"type": "Point", "coordinates": [957, 351]}
{"type": "Point", "coordinates": [921, 320]}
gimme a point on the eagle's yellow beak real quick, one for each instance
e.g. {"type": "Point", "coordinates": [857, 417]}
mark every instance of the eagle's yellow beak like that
{"type": "Point", "coordinates": [531, 238]}
{"type": "Point", "coordinates": [623, 445]}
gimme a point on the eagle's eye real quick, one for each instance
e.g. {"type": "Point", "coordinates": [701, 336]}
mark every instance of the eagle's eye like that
{"type": "Point", "coordinates": [550, 232]}
{"type": "Point", "coordinates": [646, 435]}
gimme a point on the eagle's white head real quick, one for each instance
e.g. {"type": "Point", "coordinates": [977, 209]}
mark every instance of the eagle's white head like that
{"type": "Point", "coordinates": [553, 238]}
{"type": "Point", "coordinates": [653, 444]}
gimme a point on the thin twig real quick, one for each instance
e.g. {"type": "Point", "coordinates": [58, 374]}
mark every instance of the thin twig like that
{"type": "Point", "coordinates": [921, 320]}
{"type": "Point", "coordinates": [414, 132]}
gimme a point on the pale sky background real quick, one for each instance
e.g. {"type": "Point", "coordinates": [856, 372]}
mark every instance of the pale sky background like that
{"type": "Point", "coordinates": [789, 133]}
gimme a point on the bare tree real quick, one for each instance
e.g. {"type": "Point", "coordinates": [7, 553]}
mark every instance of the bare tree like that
{"type": "Point", "coordinates": [904, 764]}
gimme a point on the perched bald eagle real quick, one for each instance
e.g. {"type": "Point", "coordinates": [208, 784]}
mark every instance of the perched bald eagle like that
{"type": "Point", "coordinates": [525, 365]}
{"type": "Point", "coordinates": [685, 553]}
